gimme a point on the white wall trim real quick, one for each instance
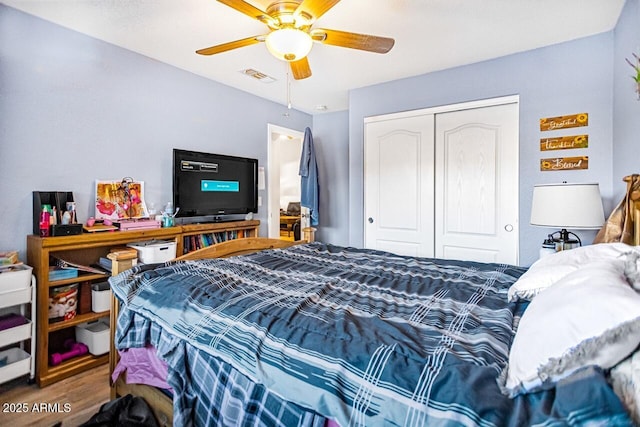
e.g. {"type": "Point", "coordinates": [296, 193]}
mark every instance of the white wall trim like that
{"type": "Point", "coordinates": [510, 99]}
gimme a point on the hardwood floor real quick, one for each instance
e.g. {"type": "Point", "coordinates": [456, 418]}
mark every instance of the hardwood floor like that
{"type": "Point", "coordinates": [286, 235]}
{"type": "Point", "coordinates": [71, 401]}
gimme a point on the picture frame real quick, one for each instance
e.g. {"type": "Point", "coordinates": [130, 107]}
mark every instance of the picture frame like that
{"type": "Point", "coordinates": [120, 199]}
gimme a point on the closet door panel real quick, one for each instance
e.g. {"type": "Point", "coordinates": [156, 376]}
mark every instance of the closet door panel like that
{"type": "Point", "coordinates": [399, 185]}
{"type": "Point", "coordinates": [476, 192]}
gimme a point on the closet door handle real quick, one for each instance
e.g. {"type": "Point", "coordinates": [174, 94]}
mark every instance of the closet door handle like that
{"type": "Point", "coordinates": [508, 228]}
{"type": "Point", "coordinates": [370, 220]}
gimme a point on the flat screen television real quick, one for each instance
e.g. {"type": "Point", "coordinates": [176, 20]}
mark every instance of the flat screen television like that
{"type": "Point", "coordinates": [213, 185]}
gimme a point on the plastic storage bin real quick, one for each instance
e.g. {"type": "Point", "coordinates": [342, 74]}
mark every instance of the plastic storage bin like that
{"type": "Point", "coordinates": [63, 303]}
{"type": "Point", "coordinates": [100, 297]}
{"type": "Point", "coordinates": [154, 251]}
{"type": "Point", "coordinates": [15, 277]}
{"type": "Point", "coordinates": [14, 328]}
{"type": "Point", "coordinates": [94, 335]}
{"type": "Point", "coordinates": [13, 363]}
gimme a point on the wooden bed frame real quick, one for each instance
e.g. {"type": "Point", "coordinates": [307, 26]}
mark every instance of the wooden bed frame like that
{"type": "Point", "coordinates": [635, 207]}
{"type": "Point", "coordinates": [160, 403]}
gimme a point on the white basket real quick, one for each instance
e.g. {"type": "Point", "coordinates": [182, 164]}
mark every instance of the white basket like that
{"type": "Point", "coordinates": [94, 335]}
{"type": "Point", "coordinates": [15, 297]}
{"type": "Point", "coordinates": [15, 334]}
{"type": "Point", "coordinates": [100, 298]}
{"type": "Point", "coordinates": [17, 364]}
{"type": "Point", "coordinates": [15, 278]}
{"type": "Point", "coordinates": [154, 251]}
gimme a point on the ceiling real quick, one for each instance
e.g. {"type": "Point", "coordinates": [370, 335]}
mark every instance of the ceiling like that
{"type": "Point", "coordinates": [430, 35]}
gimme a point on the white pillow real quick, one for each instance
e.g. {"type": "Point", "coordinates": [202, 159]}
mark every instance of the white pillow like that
{"type": "Point", "coordinates": [590, 317]}
{"type": "Point", "coordinates": [548, 270]}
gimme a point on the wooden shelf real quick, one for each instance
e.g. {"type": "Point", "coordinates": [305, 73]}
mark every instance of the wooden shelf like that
{"type": "Point", "coordinates": [71, 367]}
{"type": "Point", "coordinates": [87, 249]}
{"type": "Point", "coordinates": [80, 318]}
{"type": "Point", "coordinates": [80, 278]}
{"type": "Point", "coordinates": [88, 240]}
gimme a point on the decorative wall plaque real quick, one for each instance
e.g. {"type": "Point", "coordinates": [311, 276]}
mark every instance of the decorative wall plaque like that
{"type": "Point", "coordinates": [564, 122]}
{"type": "Point", "coordinates": [564, 142]}
{"type": "Point", "coordinates": [564, 163]}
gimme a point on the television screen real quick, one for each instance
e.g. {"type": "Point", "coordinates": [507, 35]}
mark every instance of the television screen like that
{"type": "Point", "coordinates": [213, 184]}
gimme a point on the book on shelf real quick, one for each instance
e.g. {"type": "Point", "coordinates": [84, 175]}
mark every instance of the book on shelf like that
{"type": "Point", "coordinates": [122, 252]}
{"type": "Point", "coordinates": [105, 263]}
{"type": "Point", "coordinates": [57, 273]}
{"type": "Point", "coordinates": [99, 227]}
{"type": "Point", "coordinates": [8, 257]}
{"type": "Point", "coordinates": [68, 265]}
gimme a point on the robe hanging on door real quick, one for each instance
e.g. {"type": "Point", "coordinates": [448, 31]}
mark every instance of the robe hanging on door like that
{"type": "Point", "coordinates": [309, 190]}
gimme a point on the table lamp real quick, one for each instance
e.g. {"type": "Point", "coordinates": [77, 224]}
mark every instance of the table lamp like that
{"type": "Point", "coordinates": [576, 206]}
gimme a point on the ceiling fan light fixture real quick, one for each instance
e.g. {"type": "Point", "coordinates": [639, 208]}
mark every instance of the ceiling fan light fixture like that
{"type": "Point", "coordinates": [289, 44]}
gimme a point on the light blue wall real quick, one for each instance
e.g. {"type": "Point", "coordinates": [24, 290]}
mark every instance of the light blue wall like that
{"type": "Point", "coordinates": [331, 140]}
{"type": "Point", "coordinates": [567, 78]}
{"type": "Point", "coordinates": [74, 109]}
{"type": "Point", "coordinates": [626, 106]}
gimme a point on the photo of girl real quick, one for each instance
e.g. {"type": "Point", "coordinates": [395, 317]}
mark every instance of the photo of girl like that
{"type": "Point", "coordinates": [120, 199]}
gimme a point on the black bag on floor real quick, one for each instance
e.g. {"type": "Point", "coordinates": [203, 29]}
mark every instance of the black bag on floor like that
{"type": "Point", "coordinates": [125, 411]}
{"type": "Point", "coordinates": [296, 230]}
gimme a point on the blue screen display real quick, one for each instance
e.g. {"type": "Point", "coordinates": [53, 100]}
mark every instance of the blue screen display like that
{"type": "Point", "coordinates": [226, 186]}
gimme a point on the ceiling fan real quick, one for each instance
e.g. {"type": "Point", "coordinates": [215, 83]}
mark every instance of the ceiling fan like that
{"type": "Point", "coordinates": [291, 36]}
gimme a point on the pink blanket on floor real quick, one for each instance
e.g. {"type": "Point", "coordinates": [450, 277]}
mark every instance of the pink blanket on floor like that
{"type": "Point", "coordinates": [142, 367]}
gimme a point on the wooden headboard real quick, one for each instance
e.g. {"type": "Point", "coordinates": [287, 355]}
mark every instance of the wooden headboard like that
{"type": "Point", "coordinates": [636, 221]}
{"type": "Point", "coordinates": [633, 191]}
{"type": "Point", "coordinates": [238, 247]}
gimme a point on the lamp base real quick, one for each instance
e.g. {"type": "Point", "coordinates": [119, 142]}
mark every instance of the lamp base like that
{"type": "Point", "coordinates": [564, 241]}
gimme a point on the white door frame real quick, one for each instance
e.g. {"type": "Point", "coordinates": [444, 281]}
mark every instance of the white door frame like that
{"type": "Point", "coordinates": [273, 177]}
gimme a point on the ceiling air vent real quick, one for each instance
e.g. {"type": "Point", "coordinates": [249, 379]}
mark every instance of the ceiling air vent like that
{"type": "Point", "coordinates": [250, 72]}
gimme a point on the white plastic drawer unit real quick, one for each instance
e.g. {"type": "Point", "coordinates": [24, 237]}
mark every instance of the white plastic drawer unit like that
{"type": "Point", "coordinates": [17, 290]}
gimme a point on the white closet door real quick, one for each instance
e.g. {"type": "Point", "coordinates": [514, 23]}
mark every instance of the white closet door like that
{"type": "Point", "coordinates": [399, 195]}
{"type": "Point", "coordinates": [477, 184]}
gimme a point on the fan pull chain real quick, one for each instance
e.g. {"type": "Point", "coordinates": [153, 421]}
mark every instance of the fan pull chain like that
{"type": "Point", "coordinates": [288, 90]}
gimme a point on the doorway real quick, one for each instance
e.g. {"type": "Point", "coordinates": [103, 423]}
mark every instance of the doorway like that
{"type": "Point", "coordinates": [283, 181]}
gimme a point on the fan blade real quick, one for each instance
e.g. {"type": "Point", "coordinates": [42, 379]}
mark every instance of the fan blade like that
{"type": "Point", "coordinates": [353, 40]}
{"type": "Point", "coordinates": [249, 10]}
{"type": "Point", "coordinates": [314, 9]}
{"type": "Point", "coordinates": [300, 69]}
{"type": "Point", "coordinates": [231, 45]}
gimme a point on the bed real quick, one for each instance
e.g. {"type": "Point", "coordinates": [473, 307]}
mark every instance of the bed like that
{"type": "Point", "coordinates": [266, 332]}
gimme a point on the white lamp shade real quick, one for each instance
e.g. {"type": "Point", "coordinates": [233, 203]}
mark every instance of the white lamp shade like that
{"type": "Point", "coordinates": [289, 44]}
{"type": "Point", "coordinates": [577, 206]}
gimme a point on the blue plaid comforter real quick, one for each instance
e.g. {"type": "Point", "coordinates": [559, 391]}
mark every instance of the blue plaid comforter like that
{"type": "Point", "coordinates": [287, 337]}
